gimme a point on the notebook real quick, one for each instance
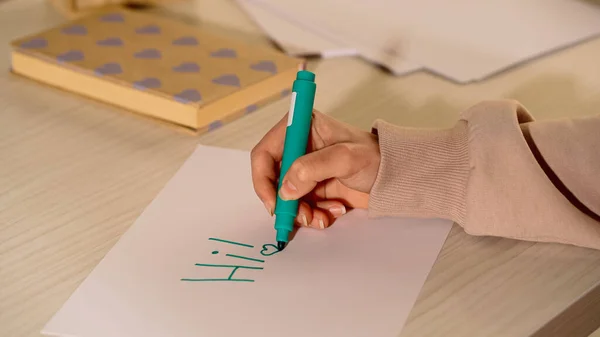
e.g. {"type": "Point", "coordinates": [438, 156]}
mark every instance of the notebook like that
{"type": "Point", "coordinates": [156, 66]}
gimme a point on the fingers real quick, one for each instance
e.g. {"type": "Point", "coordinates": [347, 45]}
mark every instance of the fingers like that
{"type": "Point", "coordinates": [305, 214]}
{"type": "Point", "coordinates": [323, 215]}
{"type": "Point", "coordinates": [303, 175]}
{"type": "Point", "coordinates": [321, 219]}
{"type": "Point", "coordinates": [328, 161]}
{"type": "Point", "coordinates": [335, 208]}
{"type": "Point", "coordinates": [265, 159]}
{"type": "Point", "coordinates": [264, 178]}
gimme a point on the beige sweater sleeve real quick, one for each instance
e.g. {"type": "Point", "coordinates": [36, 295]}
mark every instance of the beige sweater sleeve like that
{"type": "Point", "coordinates": [497, 172]}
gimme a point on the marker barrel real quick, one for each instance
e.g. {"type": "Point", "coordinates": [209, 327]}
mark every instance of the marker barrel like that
{"type": "Point", "coordinates": [296, 141]}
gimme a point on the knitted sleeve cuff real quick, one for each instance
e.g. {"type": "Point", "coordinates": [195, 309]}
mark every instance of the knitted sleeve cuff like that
{"type": "Point", "coordinates": [423, 173]}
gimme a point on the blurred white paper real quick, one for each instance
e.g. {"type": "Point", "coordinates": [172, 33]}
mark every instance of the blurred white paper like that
{"type": "Point", "coordinates": [464, 40]}
{"type": "Point", "coordinates": [297, 36]}
{"type": "Point", "coordinates": [191, 265]}
{"type": "Point", "coordinates": [291, 36]}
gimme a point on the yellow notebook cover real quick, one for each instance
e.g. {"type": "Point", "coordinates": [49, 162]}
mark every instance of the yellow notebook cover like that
{"type": "Point", "coordinates": [157, 66]}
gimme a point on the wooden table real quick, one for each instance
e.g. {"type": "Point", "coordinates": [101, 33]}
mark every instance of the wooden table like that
{"type": "Point", "coordinates": [75, 174]}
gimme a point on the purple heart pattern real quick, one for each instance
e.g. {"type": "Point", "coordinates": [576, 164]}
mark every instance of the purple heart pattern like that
{"type": "Point", "coordinates": [186, 41]}
{"type": "Point", "coordinates": [151, 56]}
{"type": "Point", "coordinates": [110, 42]}
{"type": "Point", "coordinates": [268, 66]}
{"type": "Point", "coordinates": [112, 17]}
{"type": "Point", "coordinates": [251, 108]}
{"type": "Point", "coordinates": [35, 43]}
{"type": "Point", "coordinates": [147, 83]}
{"type": "Point", "coordinates": [215, 125]}
{"type": "Point", "coordinates": [228, 79]}
{"type": "Point", "coordinates": [188, 96]}
{"type": "Point", "coordinates": [149, 29]}
{"type": "Point", "coordinates": [150, 53]}
{"type": "Point", "coordinates": [109, 69]}
{"type": "Point", "coordinates": [75, 30]}
{"type": "Point", "coordinates": [224, 53]}
{"type": "Point", "coordinates": [187, 67]}
{"type": "Point", "coordinates": [70, 56]}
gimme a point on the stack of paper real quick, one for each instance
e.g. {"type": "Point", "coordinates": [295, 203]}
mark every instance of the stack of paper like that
{"type": "Point", "coordinates": [464, 41]}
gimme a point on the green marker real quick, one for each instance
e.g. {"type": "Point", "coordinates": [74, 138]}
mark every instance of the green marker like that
{"type": "Point", "coordinates": [296, 141]}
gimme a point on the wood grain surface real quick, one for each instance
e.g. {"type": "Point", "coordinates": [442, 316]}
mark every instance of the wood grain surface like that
{"type": "Point", "coordinates": [75, 174]}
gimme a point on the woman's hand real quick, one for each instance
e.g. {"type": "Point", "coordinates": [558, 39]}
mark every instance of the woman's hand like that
{"type": "Point", "coordinates": [337, 172]}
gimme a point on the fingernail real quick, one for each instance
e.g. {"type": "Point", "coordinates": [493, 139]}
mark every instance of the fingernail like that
{"type": "Point", "coordinates": [321, 224]}
{"type": "Point", "coordinates": [303, 220]}
{"type": "Point", "coordinates": [337, 210]}
{"type": "Point", "coordinates": [269, 208]}
{"type": "Point", "coordinates": [287, 189]}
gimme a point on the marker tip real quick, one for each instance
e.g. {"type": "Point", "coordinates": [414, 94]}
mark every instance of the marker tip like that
{"type": "Point", "coordinates": [280, 245]}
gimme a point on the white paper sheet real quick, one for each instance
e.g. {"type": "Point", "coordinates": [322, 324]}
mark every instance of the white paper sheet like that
{"type": "Point", "coordinates": [465, 41]}
{"type": "Point", "coordinates": [360, 277]}
{"type": "Point", "coordinates": [292, 37]}
{"type": "Point", "coordinates": [299, 36]}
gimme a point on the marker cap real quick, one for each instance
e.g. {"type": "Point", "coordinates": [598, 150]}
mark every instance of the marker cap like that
{"type": "Point", "coordinates": [305, 76]}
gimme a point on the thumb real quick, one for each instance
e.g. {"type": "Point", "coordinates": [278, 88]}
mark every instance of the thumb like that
{"type": "Point", "coordinates": [303, 175]}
